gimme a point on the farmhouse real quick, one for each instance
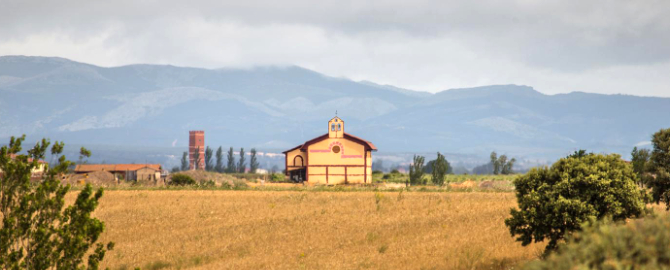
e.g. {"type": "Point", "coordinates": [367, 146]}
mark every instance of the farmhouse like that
{"type": "Point", "coordinates": [38, 171]}
{"type": "Point", "coordinates": [333, 158]}
{"type": "Point", "coordinates": [133, 172]}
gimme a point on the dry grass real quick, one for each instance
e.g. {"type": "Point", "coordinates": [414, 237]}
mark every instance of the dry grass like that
{"type": "Point", "coordinates": [214, 229]}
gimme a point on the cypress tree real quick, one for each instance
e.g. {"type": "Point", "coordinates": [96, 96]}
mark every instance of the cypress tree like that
{"type": "Point", "coordinates": [219, 160]}
{"type": "Point", "coordinates": [231, 161]}
{"type": "Point", "coordinates": [241, 166]}
{"type": "Point", "coordinates": [253, 162]}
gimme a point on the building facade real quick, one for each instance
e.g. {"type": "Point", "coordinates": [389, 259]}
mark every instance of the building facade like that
{"type": "Point", "coordinates": [333, 158]}
{"type": "Point", "coordinates": [196, 144]}
{"type": "Point", "coordinates": [128, 172]}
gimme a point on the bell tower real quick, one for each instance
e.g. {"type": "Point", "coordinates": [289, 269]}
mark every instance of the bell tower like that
{"type": "Point", "coordinates": [335, 128]}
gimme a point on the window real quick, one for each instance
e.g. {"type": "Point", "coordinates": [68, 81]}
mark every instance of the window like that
{"type": "Point", "coordinates": [336, 149]}
{"type": "Point", "coordinates": [332, 127]}
{"type": "Point", "coordinates": [339, 127]}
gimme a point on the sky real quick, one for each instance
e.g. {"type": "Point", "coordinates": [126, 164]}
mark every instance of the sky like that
{"type": "Point", "coordinates": [600, 46]}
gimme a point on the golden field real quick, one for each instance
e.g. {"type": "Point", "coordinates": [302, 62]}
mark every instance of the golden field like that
{"type": "Point", "coordinates": [217, 229]}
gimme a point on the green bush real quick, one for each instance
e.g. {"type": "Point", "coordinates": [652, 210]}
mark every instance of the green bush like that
{"type": "Point", "coordinates": [556, 201]}
{"type": "Point", "coordinates": [640, 244]}
{"type": "Point", "coordinates": [278, 178]}
{"type": "Point", "coordinates": [181, 180]}
{"type": "Point", "coordinates": [38, 231]}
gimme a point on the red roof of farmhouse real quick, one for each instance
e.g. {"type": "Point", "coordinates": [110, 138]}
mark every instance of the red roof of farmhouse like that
{"type": "Point", "coordinates": [115, 167]}
{"type": "Point", "coordinates": [13, 156]}
{"type": "Point", "coordinates": [303, 147]}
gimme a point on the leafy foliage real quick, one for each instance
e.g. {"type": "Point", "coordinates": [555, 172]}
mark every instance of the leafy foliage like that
{"type": "Point", "coordinates": [209, 155]}
{"type": "Point", "coordinates": [440, 168]}
{"type": "Point", "coordinates": [83, 152]}
{"type": "Point", "coordinates": [640, 160]}
{"type": "Point", "coordinates": [253, 161]}
{"type": "Point", "coordinates": [219, 160]}
{"type": "Point", "coordinates": [659, 181]}
{"type": "Point", "coordinates": [181, 180]}
{"type": "Point", "coordinates": [416, 171]}
{"type": "Point", "coordinates": [184, 162]}
{"type": "Point", "coordinates": [501, 165]}
{"type": "Point", "coordinates": [241, 163]}
{"type": "Point", "coordinates": [640, 244]}
{"type": "Point", "coordinates": [554, 202]}
{"type": "Point", "coordinates": [36, 232]}
{"type": "Point", "coordinates": [231, 161]}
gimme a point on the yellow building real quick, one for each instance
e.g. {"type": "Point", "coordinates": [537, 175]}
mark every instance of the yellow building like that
{"type": "Point", "coordinates": [333, 158]}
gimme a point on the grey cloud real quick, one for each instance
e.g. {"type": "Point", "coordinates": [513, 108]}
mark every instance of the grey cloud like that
{"type": "Point", "coordinates": [559, 37]}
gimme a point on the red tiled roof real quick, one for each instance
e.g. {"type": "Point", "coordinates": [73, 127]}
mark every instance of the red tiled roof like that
{"type": "Point", "coordinates": [364, 142]}
{"type": "Point", "coordinates": [115, 167]}
{"type": "Point", "coordinates": [13, 156]}
{"type": "Point", "coordinates": [299, 146]}
{"type": "Point", "coordinates": [303, 147]}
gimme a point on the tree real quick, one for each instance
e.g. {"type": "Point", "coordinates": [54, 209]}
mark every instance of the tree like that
{"type": "Point", "coordinates": [197, 159]}
{"type": "Point", "coordinates": [37, 232]}
{"type": "Point", "coordinates": [554, 202]}
{"type": "Point", "coordinates": [440, 168]}
{"type": "Point", "coordinates": [253, 161]}
{"type": "Point", "coordinates": [640, 160]}
{"type": "Point", "coordinates": [219, 160]}
{"type": "Point", "coordinates": [175, 169]}
{"type": "Point", "coordinates": [184, 162]}
{"type": "Point", "coordinates": [416, 171]}
{"type": "Point", "coordinates": [496, 163]}
{"type": "Point", "coordinates": [659, 181]}
{"type": "Point", "coordinates": [508, 166]}
{"type": "Point", "coordinates": [231, 161]}
{"type": "Point", "coordinates": [83, 152]}
{"type": "Point", "coordinates": [209, 155]}
{"type": "Point", "coordinates": [241, 166]}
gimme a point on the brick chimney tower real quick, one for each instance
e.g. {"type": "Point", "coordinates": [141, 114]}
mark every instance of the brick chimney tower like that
{"type": "Point", "coordinates": [196, 142]}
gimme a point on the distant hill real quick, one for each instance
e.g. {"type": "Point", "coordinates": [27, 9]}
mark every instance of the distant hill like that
{"type": "Point", "coordinates": [279, 107]}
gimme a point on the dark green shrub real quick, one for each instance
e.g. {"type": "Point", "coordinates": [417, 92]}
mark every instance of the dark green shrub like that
{"type": "Point", "coordinates": [416, 171]}
{"type": "Point", "coordinates": [439, 168]}
{"type": "Point", "coordinates": [181, 180]}
{"type": "Point", "coordinates": [278, 178]}
{"type": "Point", "coordinates": [554, 202]}
{"type": "Point", "coordinates": [640, 244]}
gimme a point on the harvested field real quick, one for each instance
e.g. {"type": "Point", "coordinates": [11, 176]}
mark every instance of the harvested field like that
{"type": "Point", "coordinates": [215, 229]}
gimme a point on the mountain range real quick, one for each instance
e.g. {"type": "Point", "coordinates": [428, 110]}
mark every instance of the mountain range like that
{"type": "Point", "coordinates": [275, 108]}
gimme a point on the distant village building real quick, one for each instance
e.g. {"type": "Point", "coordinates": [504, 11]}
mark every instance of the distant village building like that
{"type": "Point", "coordinates": [333, 158]}
{"type": "Point", "coordinates": [36, 172]}
{"type": "Point", "coordinates": [196, 144]}
{"type": "Point", "coordinates": [129, 172]}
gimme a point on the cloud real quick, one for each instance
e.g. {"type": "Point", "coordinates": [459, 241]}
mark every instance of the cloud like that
{"type": "Point", "coordinates": [555, 46]}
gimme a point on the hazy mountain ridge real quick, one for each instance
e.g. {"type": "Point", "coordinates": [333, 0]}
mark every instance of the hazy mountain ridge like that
{"type": "Point", "coordinates": [279, 107]}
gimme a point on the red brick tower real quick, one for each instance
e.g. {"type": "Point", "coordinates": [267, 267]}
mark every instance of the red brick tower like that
{"type": "Point", "coordinates": [196, 142]}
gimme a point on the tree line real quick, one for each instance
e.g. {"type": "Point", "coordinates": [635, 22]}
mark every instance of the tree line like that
{"type": "Point", "coordinates": [215, 162]}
